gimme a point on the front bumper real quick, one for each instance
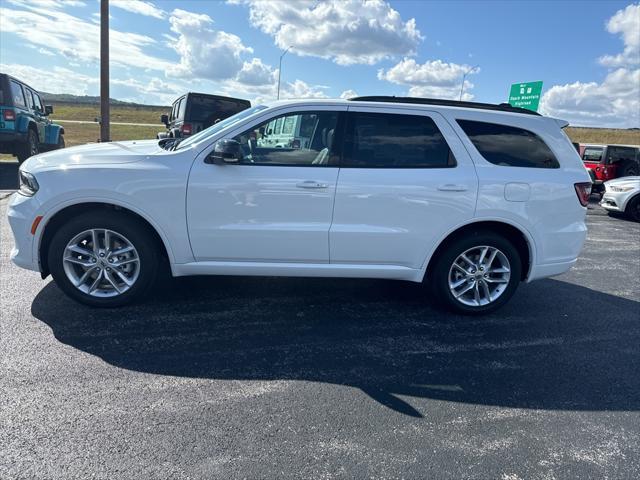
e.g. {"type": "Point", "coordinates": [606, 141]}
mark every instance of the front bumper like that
{"type": "Point", "coordinates": [615, 201]}
{"type": "Point", "coordinates": [21, 213]}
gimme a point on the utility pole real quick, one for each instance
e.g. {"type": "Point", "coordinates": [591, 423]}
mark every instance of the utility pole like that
{"type": "Point", "coordinates": [280, 69]}
{"type": "Point", "coordinates": [471, 70]}
{"type": "Point", "coordinates": [104, 71]}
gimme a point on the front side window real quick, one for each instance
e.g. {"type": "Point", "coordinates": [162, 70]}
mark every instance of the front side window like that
{"type": "Point", "coordinates": [18, 95]}
{"type": "Point", "coordinates": [37, 102]}
{"type": "Point", "coordinates": [301, 138]}
{"type": "Point", "coordinates": [382, 140]}
{"type": "Point", "coordinates": [509, 146]}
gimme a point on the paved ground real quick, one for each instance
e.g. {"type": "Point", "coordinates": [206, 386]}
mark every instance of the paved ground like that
{"type": "Point", "coordinates": [274, 378]}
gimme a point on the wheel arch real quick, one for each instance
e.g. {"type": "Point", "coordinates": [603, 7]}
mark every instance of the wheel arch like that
{"type": "Point", "coordinates": [517, 235]}
{"type": "Point", "coordinates": [68, 211]}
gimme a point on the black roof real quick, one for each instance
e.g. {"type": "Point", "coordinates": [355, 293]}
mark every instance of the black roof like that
{"type": "Point", "coordinates": [502, 107]}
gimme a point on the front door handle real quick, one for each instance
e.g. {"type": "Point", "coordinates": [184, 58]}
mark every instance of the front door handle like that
{"type": "Point", "coordinates": [451, 187]}
{"type": "Point", "coordinates": [311, 184]}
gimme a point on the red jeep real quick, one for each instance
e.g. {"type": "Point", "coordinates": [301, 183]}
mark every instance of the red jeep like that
{"type": "Point", "coordinates": [607, 162]}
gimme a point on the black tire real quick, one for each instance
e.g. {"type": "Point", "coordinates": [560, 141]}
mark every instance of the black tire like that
{"type": "Point", "coordinates": [29, 148]}
{"type": "Point", "coordinates": [438, 276]}
{"type": "Point", "coordinates": [61, 143]}
{"type": "Point", "coordinates": [633, 209]}
{"type": "Point", "coordinates": [139, 236]}
{"type": "Point", "coordinates": [630, 171]}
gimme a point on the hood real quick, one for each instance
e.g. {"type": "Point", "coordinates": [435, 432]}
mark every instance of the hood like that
{"type": "Point", "coordinates": [95, 154]}
{"type": "Point", "coordinates": [622, 180]}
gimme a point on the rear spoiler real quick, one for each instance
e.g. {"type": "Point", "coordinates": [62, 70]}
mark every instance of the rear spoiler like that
{"type": "Point", "coordinates": [561, 123]}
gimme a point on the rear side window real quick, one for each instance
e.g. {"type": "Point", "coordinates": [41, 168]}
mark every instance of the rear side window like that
{"type": "Point", "coordinates": [509, 146]}
{"type": "Point", "coordinates": [210, 109]}
{"type": "Point", "coordinates": [592, 154]}
{"type": "Point", "coordinates": [382, 140]}
{"type": "Point", "coordinates": [18, 95]}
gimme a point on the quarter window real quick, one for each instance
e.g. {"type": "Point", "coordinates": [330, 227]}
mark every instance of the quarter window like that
{"type": "Point", "coordinates": [18, 95]}
{"type": "Point", "coordinates": [509, 146]}
{"type": "Point", "coordinates": [306, 139]}
{"type": "Point", "coordinates": [382, 140]}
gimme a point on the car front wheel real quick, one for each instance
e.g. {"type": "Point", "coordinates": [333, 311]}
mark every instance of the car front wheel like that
{"type": "Point", "coordinates": [476, 274]}
{"type": "Point", "coordinates": [103, 259]}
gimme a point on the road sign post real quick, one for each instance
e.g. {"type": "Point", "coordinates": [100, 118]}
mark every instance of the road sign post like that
{"type": "Point", "coordinates": [525, 95]}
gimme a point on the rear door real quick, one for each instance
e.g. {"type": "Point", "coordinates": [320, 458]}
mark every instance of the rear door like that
{"type": "Point", "coordinates": [405, 181]}
{"type": "Point", "coordinates": [37, 113]}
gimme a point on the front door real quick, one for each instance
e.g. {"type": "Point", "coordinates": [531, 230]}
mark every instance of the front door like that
{"type": "Point", "coordinates": [276, 203]}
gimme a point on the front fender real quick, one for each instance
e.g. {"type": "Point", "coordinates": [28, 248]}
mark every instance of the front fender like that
{"type": "Point", "coordinates": [52, 133]}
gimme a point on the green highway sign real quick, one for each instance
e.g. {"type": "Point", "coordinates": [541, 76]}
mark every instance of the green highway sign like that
{"type": "Point", "coordinates": [525, 95]}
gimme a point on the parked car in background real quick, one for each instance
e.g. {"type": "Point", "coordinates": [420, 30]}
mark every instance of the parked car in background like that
{"type": "Point", "coordinates": [456, 194]}
{"type": "Point", "coordinates": [25, 128]}
{"type": "Point", "coordinates": [193, 112]}
{"type": "Point", "coordinates": [611, 161]}
{"type": "Point", "coordinates": [622, 195]}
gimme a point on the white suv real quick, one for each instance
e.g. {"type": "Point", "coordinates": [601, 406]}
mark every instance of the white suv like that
{"type": "Point", "coordinates": [471, 198]}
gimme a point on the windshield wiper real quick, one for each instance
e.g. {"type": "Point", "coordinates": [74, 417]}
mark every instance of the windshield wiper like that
{"type": "Point", "coordinates": [175, 143]}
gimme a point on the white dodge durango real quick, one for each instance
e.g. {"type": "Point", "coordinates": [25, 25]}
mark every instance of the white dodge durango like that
{"type": "Point", "coordinates": [470, 198]}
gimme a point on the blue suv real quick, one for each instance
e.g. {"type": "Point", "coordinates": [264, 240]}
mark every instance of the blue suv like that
{"type": "Point", "coordinates": [25, 129]}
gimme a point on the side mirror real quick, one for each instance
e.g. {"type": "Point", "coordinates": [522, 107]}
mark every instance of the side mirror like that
{"type": "Point", "coordinates": [226, 150]}
{"type": "Point", "coordinates": [48, 109]}
{"type": "Point", "coordinates": [164, 119]}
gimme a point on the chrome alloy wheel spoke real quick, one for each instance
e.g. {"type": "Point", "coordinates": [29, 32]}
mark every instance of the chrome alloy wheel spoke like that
{"type": "Point", "coordinates": [101, 262]}
{"type": "Point", "coordinates": [479, 276]}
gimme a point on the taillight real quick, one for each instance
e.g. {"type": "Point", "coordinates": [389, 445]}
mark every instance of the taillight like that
{"type": "Point", "coordinates": [597, 169]}
{"type": "Point", "coordinates": [8, 115]}
{"type": "Point", "coordinates": [186, 129]}
{"type": "Point", "coordinates": [583, 190]}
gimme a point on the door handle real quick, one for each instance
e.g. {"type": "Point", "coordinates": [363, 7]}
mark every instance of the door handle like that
{"type": "Point", "coordinates": [450, 187]}
{"type": "Point", "coordinates": [311, 184]}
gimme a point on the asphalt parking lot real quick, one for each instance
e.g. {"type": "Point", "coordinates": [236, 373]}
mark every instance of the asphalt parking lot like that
{"type": "Point", "coordinates": [235, 377]}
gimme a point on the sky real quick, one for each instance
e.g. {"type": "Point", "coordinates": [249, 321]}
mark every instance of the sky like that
{"type": "Point", "coordinates": [587, 53]}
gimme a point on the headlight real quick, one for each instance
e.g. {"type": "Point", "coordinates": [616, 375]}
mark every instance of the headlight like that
{"type": "Point", "coordinates": [615, 188]}
{"type": "Point", "coordinates": [28, 184]}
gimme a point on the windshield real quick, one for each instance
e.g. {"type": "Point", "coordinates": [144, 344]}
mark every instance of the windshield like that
{"type": "Point", "coordinates": [592, 154]}
{"type": "Point", "coordinates": [227, 122]}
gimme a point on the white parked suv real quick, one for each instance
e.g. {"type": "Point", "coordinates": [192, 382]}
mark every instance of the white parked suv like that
{"type": "Point", "coordinates": [471, 198]}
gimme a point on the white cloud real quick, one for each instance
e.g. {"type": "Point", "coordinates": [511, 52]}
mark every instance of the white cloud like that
{"type": "Point", "coordinates": [627, 23]}
{"type": "Point", "coordinates": [75, 38]}
{"type": "Point", "coordinates": [256, 73]}
{"type": "Point", "coordinates": [156, 91]}
{"type": "Point", "coordinates": [56, 80]}
{"type": "Point", "coordinates": [345, 31]}
{"type": "Point", "coordinates": [204, 52]}
{"type": "Point", "coordinates": [141, 7]}
{"type": "Point", "coordinates": [348, 94]}
{"type": "Point", "coordinates": [616, 101]}
{"type": "Point", "coordinates": [430, 79]}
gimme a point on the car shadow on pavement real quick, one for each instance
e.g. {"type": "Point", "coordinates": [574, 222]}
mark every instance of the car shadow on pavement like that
{"type": "Point", "coordinates": [9, 175]}
{"type": "Point", "coordinates": [554, 346]}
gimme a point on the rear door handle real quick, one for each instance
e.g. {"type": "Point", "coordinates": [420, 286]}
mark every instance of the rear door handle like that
{"type": "Point", "coordinates": [311, 184]}
{"type": "Point", "coordinates": [450, 187]}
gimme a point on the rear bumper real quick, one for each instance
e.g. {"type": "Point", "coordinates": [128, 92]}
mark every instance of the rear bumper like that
{"type": "Point", "coordinates": [10, 137]}
{"type": "Point", "coordinates": [550, 269]}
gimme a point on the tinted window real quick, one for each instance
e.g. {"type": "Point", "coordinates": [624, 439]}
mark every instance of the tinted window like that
{"type": "Point", "coordinates": [620, 154]}
{"type": "Point", "coordinates": [509, 146]}
{"type": "Point", "coordinates": [37, 102]}
{"type": "Point", "coordinates": [307, 140]}
{"type": "Point", "coordinates": [181, 109]}
{"type": "Point", "coordinates": [208, 110]}
{"type": "Point", "coordinates": [381, 140]}
{"type": "Point", "coordinates": [18, 95]}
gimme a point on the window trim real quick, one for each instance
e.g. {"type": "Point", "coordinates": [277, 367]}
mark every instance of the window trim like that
{"type": "Point", "coordinates": [452, 162]}
{"type": "Point", "coordinates": [557, 165]}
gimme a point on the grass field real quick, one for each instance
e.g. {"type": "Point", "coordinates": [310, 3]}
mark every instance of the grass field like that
{"type": "Point", "coordinates": [81, 133]}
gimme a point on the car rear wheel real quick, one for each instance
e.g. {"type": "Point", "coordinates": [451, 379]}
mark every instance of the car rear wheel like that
{"type": "Point", "coordinates": [103, 259]}
{"type": "Point", "coordinates": [633, 209]}
{"type": "Point", "coordinates": [28, 148]}
{"type": "Point", "coordinates": [476, 274]}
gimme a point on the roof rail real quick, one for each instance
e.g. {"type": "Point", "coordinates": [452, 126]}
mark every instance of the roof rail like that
{"type": "Point", "coordinates": [502, 107]}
